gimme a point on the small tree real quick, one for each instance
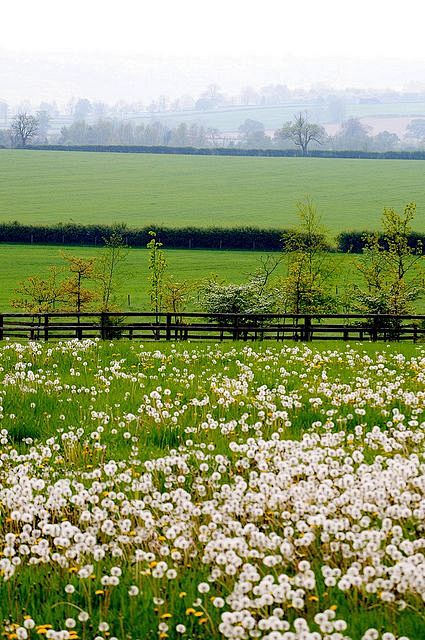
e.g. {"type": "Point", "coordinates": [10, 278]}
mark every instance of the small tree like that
{"type": "Point", "coordinates": [301, 132]}
{"type": "Point", "coordinates": [157, 267]}
{"type": "Point", "coordinates": [306, 288]}
{"type": "Point", "coordinates": [390, 270]}
{"type": "Point", "coordinates": [108, 266]}
{"type": "Point", "coordinates": [177, 294]}
{"type": "Point", "coordinates": [40, 295]}
{"type": "Point", "coordinates": [251, 297]}
{"type": "Point", "coordinates": [76, 296]}
{"type": "Point", "coordinates": [23, 129]}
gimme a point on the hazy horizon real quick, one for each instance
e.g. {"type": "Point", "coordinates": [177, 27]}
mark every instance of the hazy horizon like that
{"type": "Point", "coordinates": [137, 51]}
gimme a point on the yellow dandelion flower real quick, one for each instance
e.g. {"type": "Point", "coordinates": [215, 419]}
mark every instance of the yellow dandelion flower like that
{"type": "Point", "coordinates": [198, 614]}
{"type": "Point", "coordinates": [153, 564]}
{"type": "Point", "coordinates": [313, 599]}
{"type": "Point", "coordinates": [182, 594]}
{"type": "Point", "coordinates": [164, 616]}
{"type": "Point", "coordinates": [189, 611]}
{"type": "Point", "coordinates": [333, 607]}
{"type": "Point", "coordinates": [202, 620]}
{"type": "Point", "coordinates": [99, 592]}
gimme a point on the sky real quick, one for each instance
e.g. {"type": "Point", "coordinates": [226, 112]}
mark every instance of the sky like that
{"type": "Point", "coordinates": [185, 42]}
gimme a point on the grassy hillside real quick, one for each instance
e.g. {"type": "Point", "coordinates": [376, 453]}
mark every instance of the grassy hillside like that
{"type": "Point", "coordinates": [47, 186]}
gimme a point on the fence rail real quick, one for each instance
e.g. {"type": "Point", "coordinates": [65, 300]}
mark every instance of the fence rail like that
{"type": "Point", "coordinates": [219, 327]}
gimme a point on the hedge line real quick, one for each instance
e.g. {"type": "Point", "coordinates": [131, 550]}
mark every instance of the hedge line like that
{"type": "Point", "coordinates": [173, 238]}
{"type": "Point", "coordinates": [249, 238]}
{"type": "Point", "coordinates": [354, 241]}
{"type": "Point", "coordinates": [235, 151]}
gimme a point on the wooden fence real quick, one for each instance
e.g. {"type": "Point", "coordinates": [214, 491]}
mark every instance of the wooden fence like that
{"type": "Point", "coordinates": [201, 326]}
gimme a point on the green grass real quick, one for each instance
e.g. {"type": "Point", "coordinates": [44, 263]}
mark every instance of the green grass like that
{"type": "Point", "coordinates": [51, 187]}
{"type": "Point", "coordinates": [18, 262]}
{"type": "Point", "coordinates": [236, 448]}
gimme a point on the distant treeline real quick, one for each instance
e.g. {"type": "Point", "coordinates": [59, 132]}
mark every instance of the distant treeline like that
{"type": "Point", "coordinates": [235, 151]}
{"type": "Point", "coordinates": [248, 238]}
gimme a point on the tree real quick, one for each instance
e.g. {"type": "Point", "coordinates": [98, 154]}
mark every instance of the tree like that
{"type": "Point", "coordinates": [77, 297]}
{"type": "Point", "coordinates": [252, 134]}
{"type": "Point", "coordinates": [352, 135]}
{"type": "Point", "coordinates": [416, 129]}
{"type": "Point", "coordinates": [23, 129]}
{"type": "Point", "coordinates": [390, 269]}
{"type": "Point", "coordinates": [301, 132]}
{"type": "Point", "coordinates": [157, 267]}
{"type": "Point", "coordinates": [39, 295]}
{"type": "Point", "coordinates": [107, 268]}
{"type": "Point", "coordinates": [177, 294]}
{"type": "Point", "coordinates": [218, 297]}
{"type": "Point", "coordinates": [306, 288]}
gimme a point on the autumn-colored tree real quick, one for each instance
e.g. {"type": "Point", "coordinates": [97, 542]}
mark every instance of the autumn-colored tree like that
{"type": "Point", "coordinates": [40, 295]}
{"type": "Point", "coordinates": [76, 295]}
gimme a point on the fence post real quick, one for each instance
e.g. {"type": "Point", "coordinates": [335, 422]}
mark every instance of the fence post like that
{"type": "Point", "coordinates": [168, 327]}
{"type": "Point", "coordinates": [1, 326]}
{"type": "Point", "coordinates": [236, 327]}
{"type": "Point", "coordinates": [307, 328]}
{"type": "Point", "coordinates": [103, 326]}
{"type": "Point", "coordinates": [375, 328]}
{"type": "Point", "coordinates": [46, 328]}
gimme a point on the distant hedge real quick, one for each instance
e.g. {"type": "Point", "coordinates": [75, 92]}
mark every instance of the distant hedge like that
{"type": "Point", "coordinates": [248, 238]}
{"type": "Point", "coordinates": [235, 151]}
{"type": "Point", "coordinates": [173, 238]}
{"type": "Point", "coordinates": [354, 241]}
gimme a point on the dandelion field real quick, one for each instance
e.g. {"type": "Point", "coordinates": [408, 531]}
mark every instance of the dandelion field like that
{"type": "Point", "coordinates": [180, 491]}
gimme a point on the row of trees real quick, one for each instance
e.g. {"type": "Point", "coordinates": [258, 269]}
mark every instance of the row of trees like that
{"type": "Point", "coordinates": [390, 276]}
{"type": "Point", "coordinates": [299, 133]}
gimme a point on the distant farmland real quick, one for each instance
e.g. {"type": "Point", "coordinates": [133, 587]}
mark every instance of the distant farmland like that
{"type": "Point", "coordinates": [51, 187]}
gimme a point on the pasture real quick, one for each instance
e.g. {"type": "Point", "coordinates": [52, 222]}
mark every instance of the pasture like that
{"type": "Point", "coordinates": [207, 492]}
{"type": "Point", "coordinates": [50, 187]}
{"type": "Point", "coordinates": [18, 262]}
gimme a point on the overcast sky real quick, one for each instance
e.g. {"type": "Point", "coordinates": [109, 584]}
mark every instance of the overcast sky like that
{"type": "Point", "coordinates": [198, 33]}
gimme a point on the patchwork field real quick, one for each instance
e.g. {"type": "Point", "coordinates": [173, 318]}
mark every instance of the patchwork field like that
{"type": "Point", "coordinates": [182, 492]}
{"type": "Point", "coordinates": [51, 187]}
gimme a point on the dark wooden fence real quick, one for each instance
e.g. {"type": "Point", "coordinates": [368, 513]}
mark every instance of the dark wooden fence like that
{"type": "Point", "coordinates": [201, 326]}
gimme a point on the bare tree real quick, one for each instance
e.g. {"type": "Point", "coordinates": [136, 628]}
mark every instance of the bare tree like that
{"type": "Point", "coordinates": [301, 132]}
{"type": "Point", "coordinates": [24, 127]}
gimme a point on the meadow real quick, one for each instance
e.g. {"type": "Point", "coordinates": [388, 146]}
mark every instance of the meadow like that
{"type": "Point", "coordinates": [212, 492]}
{"type": "Point", "coordinates": [51, 187]}
{"type": "Point", "coordinates": [18, 262]}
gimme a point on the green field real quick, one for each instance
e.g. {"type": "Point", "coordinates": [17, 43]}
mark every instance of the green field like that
{"type": "Point", "coordinates": [205, 492]}
{"type": "Point", "coordinates": [51, 187]}
{"type": "Point", "coordinates": [18, 262]}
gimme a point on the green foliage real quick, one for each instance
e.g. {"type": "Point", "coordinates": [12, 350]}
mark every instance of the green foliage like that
{"type": "Point", "coordinates": [301, 132]}
{"type": "Point", "coordinates": [306, 289]}
{"type": "Point", "coordinates": [108, 267]}
{"type": "Point", "coordinates": [157, 267]}
{"type": "Point", "coordinates": [390, 270]}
